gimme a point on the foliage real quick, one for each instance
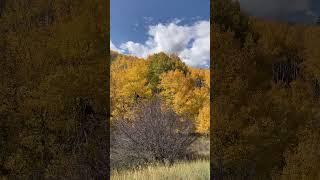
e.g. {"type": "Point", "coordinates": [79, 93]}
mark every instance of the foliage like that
{"type": "Point", "coordinates": [303, 162]}
{"type": "Point", "coordinates": [264, 97]}
{"type": "Point", "coordinates": [128, 84]}
{"type": "Point", "coordinates": [188, 93]}
{"type": "Point", "coordinates": [53, 88]}
{"type": "Point", "coordinates": [203, 119]}
{"type": "Point", "coordinates": [183, 88]}
{"type": "Point", "coordinates": [160, 63]}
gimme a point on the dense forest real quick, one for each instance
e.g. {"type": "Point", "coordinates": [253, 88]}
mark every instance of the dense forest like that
{"type": "Point", "coordinates": [183, 88]}
{"type": "Point", "coordinates": [265, 97]}
{"type": "Point", "coordinates": [53, 90]}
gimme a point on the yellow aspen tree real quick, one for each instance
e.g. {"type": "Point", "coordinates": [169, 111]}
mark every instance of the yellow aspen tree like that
{"type": "Point", "coordinates": [203, 119]}
{"type": "Point", "coordinates": [186, 93]}
{"type": "Point", "coordinates": [128, 84]}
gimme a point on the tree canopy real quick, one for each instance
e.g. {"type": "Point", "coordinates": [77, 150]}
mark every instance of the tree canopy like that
{"type": "Point", "coordinates": [264, 95]}
{"type": "Point", "coordinates": [183, 88]}
{"type": "Point", "coordinates": [53, 89]}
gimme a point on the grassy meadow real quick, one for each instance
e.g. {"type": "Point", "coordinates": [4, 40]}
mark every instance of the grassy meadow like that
{"type": "Point", "coordinates": [194, 170]}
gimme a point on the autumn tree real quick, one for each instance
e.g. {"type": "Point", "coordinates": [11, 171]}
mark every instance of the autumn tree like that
{"type": "Point", "coordinates": [55, 70]}
{"type": "Point", "coordinates": [187, 94]}
{"type": "Point", "coordinates": [258, 115]}
{"type": "Point", "coordinates": [128, 84]}
{"type": "Point", "coordinates": [302, 162]}
{"type": "Point", "coordinates": [134, 80]}
{"type": "Point", "coordinates": [160, 63]}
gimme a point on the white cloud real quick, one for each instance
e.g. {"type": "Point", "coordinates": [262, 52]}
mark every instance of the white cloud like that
{"type": "Point", "coordinates": [135, 49]}
{"type": "Point", "coordinates": [114, 48]}
{"type": "Point", "coordinates": [199, 53]}
{"type": "Point", "coordinates": [190, 42]}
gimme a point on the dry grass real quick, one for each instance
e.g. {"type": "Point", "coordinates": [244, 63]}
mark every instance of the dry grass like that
{"type": "Point", "coordinates": [195, 170]}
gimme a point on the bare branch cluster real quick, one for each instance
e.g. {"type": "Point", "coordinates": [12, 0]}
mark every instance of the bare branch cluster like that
{"type": "Point", "coordinates": [155, 133]}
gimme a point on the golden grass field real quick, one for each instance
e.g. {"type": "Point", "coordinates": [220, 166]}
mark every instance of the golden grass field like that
{"type": "Point", "coordinates": [193, 170]}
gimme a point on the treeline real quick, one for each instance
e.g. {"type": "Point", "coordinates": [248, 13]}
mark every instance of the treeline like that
{"type": "Point", "coordinates": [53, 90]}
{"type": "Point", "coordinates": [265, 95]}
{"type": "Point", "coordinates": [182, 88]}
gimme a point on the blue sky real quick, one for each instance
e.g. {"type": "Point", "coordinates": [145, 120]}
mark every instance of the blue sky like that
{"type": "Point", "coordinates": [129, 18]}
{"type": "Point", "coordinates": [142, 27]}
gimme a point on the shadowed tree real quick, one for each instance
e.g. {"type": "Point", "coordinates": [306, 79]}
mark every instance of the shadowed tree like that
{"type": "Point", "coordinates": [53, 53]}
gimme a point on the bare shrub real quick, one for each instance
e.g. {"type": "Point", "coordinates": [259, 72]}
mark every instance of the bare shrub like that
{"type": "Point", "coordinates": [155, 133]}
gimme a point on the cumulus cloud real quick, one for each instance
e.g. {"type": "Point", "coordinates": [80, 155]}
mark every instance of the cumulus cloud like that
{"type": "Point", "coordinates": [136, 49]}
{"type": "Point", "coordinates": [199, 53]}
{"type": "Point", "coordinates": [190, 42]}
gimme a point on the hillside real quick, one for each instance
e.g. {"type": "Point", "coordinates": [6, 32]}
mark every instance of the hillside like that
{"type": "Point", "coordinates": [266, 97]}
{"type": "Point", "coordinates": [183, 88]}
{"type": "Point", "coordinates": [160, 109]}
{"type": "Point", "coordinates": [53, 90]}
